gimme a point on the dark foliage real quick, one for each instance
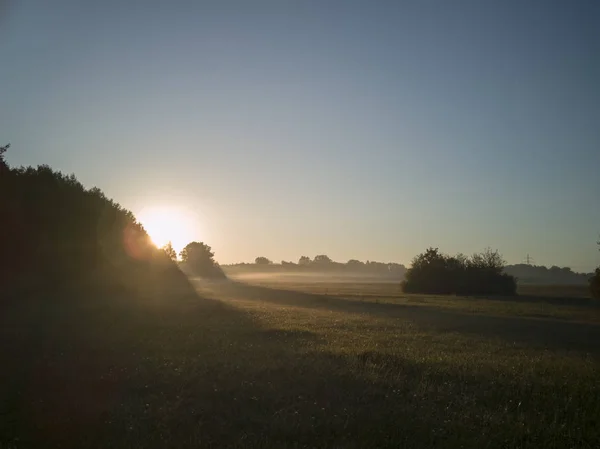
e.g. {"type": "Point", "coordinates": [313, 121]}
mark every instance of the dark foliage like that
{"type": "Point", "coordinates": [56, 234]}
{"type": "Point", "coordinates": [304, 260]}
{"type": "Point", "coordinates": [198, 260]}
{"type": "Point", "coordinates": [482, 274]}
{"type": "Point", "coordinates": [3, 165]}
{"type": "Point", "coordinates": [262, 261]}
{"type": "Point", "coordinates": [322, 259]}
{"type": "Point", "coordinates": [595, 284]}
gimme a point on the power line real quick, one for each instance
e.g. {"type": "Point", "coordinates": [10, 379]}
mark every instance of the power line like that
{"type": "Point", "coordinates": [529, 260]}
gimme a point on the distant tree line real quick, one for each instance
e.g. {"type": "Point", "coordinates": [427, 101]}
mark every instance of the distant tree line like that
{"type": "Point", "coordinates": [433, 272]}
{"type": "Point", "coordinates": [535, 274]}
{"type": "Point", "coordinates": [323, 263]}
{"type": "Point", "coordinates": [523, 273]}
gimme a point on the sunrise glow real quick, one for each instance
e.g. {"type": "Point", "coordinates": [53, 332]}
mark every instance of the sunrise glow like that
{"type": "Point", "coordinates": [168, 224]}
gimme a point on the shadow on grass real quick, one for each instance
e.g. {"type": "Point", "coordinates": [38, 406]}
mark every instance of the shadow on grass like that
{"type": "Point", "coordinates": [546, 333]}
{"type": "Point", "coordinates": [150, 369]}
{"type": "Point", "coordinates": [558, 294]}
{"type": "Point", "coordinates": [558, 300]}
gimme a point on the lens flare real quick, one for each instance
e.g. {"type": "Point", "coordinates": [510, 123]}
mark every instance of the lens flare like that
{"type": "Point", "coordinates": [168, 224]}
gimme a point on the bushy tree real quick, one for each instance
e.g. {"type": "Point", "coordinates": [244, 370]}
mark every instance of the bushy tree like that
{"type": "Point", "coordinates": [435, 273]}
{"type": "Point", "coordinates": [322, 259]}
{"type": "Point", "coordinates": [199, 260]}
{"type": "Point", "coordinates": [262, 261]}
{"type": "Point", "coordinates": [304, 260]}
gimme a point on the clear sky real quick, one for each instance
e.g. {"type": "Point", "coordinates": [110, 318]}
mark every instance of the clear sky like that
{"type": "Point", "coordinates": [358, 129]}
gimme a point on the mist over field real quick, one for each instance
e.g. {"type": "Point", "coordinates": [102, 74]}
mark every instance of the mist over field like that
{"type": "Point", "coordinates": [308, 277]}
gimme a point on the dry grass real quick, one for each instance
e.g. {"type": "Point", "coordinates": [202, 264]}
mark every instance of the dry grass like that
{"type": "Point", "coordinates": [248, 366]}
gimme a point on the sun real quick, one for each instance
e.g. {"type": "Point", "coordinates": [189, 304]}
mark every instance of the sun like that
{"type": "Point", "coordinates": [167, 224]}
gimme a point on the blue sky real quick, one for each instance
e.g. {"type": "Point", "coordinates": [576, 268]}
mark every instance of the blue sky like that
{"type": "Point", "coordinates": [358, 129]}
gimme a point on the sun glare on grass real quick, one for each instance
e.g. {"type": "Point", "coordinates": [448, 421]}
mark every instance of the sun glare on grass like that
{"type": "Point", "coordinates": [168, 224]}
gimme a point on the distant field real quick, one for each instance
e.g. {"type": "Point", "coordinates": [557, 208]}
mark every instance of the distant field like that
{"type": "Point", "coordinates": [565, 302]}
{"type": "Point", "coordinates": [299, 365]}
{"type": "Point", "coordinates": [556, 291]}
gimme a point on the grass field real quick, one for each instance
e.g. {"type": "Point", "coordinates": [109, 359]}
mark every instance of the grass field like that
{"type": "Point", "coordinates": [299, 365]}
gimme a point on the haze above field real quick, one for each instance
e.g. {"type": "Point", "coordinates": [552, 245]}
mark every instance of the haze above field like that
{"type": "Point", "coordinates": [367, 130]}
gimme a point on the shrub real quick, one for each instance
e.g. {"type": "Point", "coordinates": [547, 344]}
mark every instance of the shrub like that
{"type": "Point", "coordinates": [435, 273]}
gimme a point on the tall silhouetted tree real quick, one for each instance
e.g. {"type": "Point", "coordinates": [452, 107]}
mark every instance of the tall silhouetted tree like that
{"type": "Point", "coordinates": [262, 261]}
{"type": "Point", "coordinates": [170, 251]}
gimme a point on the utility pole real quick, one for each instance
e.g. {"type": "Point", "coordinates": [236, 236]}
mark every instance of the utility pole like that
{"type": "Point", "coordinates": [528, 259]}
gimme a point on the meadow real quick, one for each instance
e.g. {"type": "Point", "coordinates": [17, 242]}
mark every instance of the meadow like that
{"type": "Point", "coordinates": [299, 363]}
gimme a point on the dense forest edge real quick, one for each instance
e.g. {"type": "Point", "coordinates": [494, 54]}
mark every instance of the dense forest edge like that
{"type": "Point", "coordinates": [57, 235]}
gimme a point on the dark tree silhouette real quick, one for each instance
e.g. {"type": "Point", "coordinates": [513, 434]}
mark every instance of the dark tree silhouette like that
{"type": "Point", "coordinates": [322, 259]}
{"type": "Point", "coordinates": [55, 234]}
{"type": "Point", "coordinates": [3, 150]}
{"type": "Point", "coordinates": [198, 259]}
{"type": "Point", "coordinates": [170, 251]}
{"type": "Point", "coordinates": [323, 263]}
{"type": "Point", "coordinates": [435, 273]}
{"type": "Point", "coordinates": [262, 261]}
{"type": "Point", "coordinates": [304, 260]}
{"type": "Point", "coordinates": [353, 263]}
